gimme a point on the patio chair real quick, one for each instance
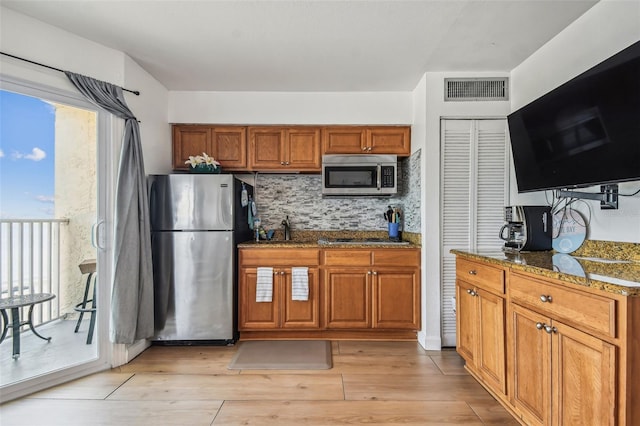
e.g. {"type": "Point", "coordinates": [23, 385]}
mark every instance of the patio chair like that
{"type": "Point", "coordinates": [88, 266]}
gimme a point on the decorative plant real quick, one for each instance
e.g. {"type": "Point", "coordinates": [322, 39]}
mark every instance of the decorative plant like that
{"type": "Point", "coordinates": [203, 159]}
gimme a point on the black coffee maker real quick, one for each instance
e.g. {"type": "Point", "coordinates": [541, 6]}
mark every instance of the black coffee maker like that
{"type": "Point", "coordinates": [527, 228]}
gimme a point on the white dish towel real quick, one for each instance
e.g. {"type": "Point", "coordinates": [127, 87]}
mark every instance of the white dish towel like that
{"type": "Point", "coordinates": [300, 283]}
{"type": "Point", "coordinates": [264, 285]}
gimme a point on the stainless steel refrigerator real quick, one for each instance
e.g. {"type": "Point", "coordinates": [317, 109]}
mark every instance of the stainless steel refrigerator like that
{"type": "Point", "coordinates": [196, 222]}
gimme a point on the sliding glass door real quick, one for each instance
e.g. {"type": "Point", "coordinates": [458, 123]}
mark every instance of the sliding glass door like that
{"type": "Point", "coordinates": [54, 234]}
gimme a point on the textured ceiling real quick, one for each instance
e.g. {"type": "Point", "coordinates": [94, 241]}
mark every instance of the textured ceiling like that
{"type": "Point", "coordinates": [310, 45]}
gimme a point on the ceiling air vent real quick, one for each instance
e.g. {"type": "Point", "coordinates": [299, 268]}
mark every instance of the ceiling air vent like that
{"type": "Point", "coordinates": [476, 89]}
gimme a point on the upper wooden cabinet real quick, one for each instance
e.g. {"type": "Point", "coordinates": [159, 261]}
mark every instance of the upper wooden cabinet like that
{"type": "Point", "coordinates": [283, 148]}
{"type": "Point", "coordinates": [228, 145]}
{"type": "Point", "coordinates": [367, 140]}
{"type": "Point", "coordinates": [295, 149]}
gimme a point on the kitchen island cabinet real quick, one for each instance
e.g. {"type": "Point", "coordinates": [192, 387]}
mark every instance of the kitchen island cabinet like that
{"type": "Point", "coordinates": [571, 342]}
{"type": "Point", "coordinates": [562, 375]}
{"type": "Point", "coordinates": [291, 149]}
{"type": "Point", "coordinates": [367, 140]}
{"type": "Point", "coordinates": [282, 313]}
{"type": "Point", "coordinates": [480, 309]}
{"type": "Point", "coordinates": [226, 144]}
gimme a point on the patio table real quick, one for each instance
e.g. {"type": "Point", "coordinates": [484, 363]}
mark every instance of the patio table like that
{"type": "Point", "coordinates": [15, 303]}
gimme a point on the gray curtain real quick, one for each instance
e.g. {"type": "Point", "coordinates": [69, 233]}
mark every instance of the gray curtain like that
{"type": "Point", "coordinates": [132, 296]}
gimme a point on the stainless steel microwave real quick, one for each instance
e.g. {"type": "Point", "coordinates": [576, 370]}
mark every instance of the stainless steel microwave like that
{"type": "Point", "coordinates": [359, 174]}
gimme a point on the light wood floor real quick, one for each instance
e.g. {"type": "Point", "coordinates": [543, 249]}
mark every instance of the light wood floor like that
{"type": "Point", "coordinates": [384, 383]}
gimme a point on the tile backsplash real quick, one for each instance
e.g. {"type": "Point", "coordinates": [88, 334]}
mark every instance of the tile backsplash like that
{"type": "Point", "coordinates": [299, 196]}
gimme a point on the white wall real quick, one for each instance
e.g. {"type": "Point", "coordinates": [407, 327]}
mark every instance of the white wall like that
{"type": "Point", "coordinates": [605, 29]}
{"type": "Point", "coordinates": [291, 108]}
{"type": "Point", "coordinates": [152, 111]}
{"type": "Point", "coordinates": [23, 36]}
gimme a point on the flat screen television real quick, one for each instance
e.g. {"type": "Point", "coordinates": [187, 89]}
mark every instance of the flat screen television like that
{"type": "Point", "coordinates": [583, 133]}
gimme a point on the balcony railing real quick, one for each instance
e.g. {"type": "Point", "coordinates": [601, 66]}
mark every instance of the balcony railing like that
{"type": "Point", "coordinates": [30, 262]}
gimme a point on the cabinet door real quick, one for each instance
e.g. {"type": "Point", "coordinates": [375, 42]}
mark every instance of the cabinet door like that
{"type": "Point", "coordinates": [531, 351]}
{"type": "Point", "coordinates": [344, 140]}
{"type": "Point", "coordinates": [490, 359]}
{"type": "Point", "coordinates": [302, 148]}
{"type": "Point", "coordinates": [301, 313]}
{"type": "Point", "coordinates": [389, 140]}
{"type": "Point", "coordinates": [347, 298]}
{"type": "Point", "coordinates": [266, 148]}
{"type": "Point", "coordinates": [230, 147]}
{"type": "Point", "coordinates": [467, 322]}
{"type": "Point", "coordinates": [396, 296]}
{"type": "Point", "coordinates": [584, 377]}
{"type": "Point", "coordinates": [189, 141]}
{"type": "Point", "coordinates": [256, 315]}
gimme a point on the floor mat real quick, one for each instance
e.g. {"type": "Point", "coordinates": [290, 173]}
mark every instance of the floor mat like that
{"type": "Point", "coordinates": [282, 355]}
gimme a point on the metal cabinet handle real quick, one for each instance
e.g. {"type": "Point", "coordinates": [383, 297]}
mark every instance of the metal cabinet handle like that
{"type": "Point", "coordinates": [375, 272]}
{"type": "Point", "coordinates": [550, 329]}
{"type": "Point", "coordinates": [369, 148]}
{"type": "Point", "coordinates": [473, 272]}
{"type": "Point", "coordinates": [286, 163]}
{"type": "Point", "coordinates": [364, 148]}
{"type": "Point", "coordinates": [368, 272]}
{"type": "Point", "coordinates": [546, 298]}
{"type": "Point", "coordinates": [472, 292]}
{"type": "Point", "coordinates": [281, 272]}
{"type": "Point", "coordinates": [540, 325]}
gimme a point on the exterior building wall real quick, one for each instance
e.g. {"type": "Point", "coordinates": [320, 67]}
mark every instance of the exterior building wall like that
{"type": "Point", "coordinates": [75, 197]}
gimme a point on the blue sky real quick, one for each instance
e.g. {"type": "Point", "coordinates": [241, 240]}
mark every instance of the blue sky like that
{"type": "Point", "coordinates": [27, 157]}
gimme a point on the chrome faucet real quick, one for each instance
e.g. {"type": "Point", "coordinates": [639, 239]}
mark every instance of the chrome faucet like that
{"type": "Point", "coordinates": [287, 229]}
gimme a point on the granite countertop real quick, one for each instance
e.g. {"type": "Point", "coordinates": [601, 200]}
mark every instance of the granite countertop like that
{"type": "Point", "coordinates": [589, 267]}
{"type": "Point", "coordinates": [309, 239]}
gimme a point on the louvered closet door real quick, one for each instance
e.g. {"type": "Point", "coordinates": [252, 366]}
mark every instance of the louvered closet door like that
{"type": "Point", "coordinates": [475, 189]}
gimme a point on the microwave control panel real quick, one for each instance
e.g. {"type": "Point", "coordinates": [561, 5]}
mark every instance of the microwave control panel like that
{"type": "Point", "coordinates": [388, 177]}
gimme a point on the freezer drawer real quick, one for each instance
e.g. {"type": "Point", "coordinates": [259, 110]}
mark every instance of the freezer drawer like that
{"type": "Point", "coordinates": [194, 285]}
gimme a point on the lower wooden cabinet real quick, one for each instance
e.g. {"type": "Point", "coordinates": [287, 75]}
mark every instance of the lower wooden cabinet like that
{"type": "Point", "coordinates": [350, 291]}
{"type": "Point", "coordinates": [282, 312]}
{"type": "Point", "coordinates": [348, 297]}
{"type": "Point", "coordinates": [481, 323]}
{"type": "Point", "coordinates": [571, 352]}
{"type": "Point", "coordinates": [377, 289]}
{"type": "Point", "coordinates": [531, 363]}
{"type": "Point", "coordinates": [561, 375]}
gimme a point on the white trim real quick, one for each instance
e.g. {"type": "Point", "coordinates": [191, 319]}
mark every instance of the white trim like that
{"type": "Point", "coordinates": [429, 343]}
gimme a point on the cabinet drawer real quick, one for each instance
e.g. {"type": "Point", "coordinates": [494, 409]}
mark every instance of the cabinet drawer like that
{"type": "Point", "coordinates": [586, 310]}
{"type": "Point", "coordinates": [279, 257]}
{"type": "Point", "coordinates": [338, 257]}
{"type": "Point", "coordinates": [396, 257]}
{"type": "Point", "coordinates": [488, 277]}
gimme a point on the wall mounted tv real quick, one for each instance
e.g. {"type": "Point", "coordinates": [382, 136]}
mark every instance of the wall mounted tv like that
{"type": "Point", "coordinates": [585, 132]}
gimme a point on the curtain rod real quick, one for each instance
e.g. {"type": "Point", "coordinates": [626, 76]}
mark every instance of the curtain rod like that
{"type": "Point", "coordinates": [135, 92]}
